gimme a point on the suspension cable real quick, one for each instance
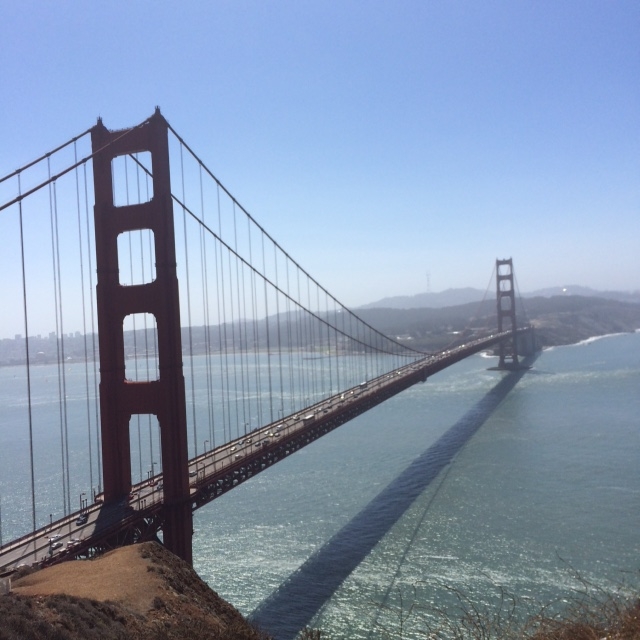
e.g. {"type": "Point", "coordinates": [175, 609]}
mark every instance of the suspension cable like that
{"type": "Point", "coordinates": [45, 156]}
{"type": "Point", "coordinates": [54, 178]}
{"type": "Point", "coordinates": [28, 363]}
{"type": "Point", "coordinates": [220, 185]}
{"type": "Point", "coordinates": [408, 351]}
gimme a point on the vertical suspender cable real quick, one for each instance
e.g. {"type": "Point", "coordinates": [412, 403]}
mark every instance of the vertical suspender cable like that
{"type": "Point", "coordinates": [55, 296]}
{"type": "Point", "coordinates": [290, 346]}
{"type": "Point", "coordinates": [145, 324]}
{"type": "Point", "coordinates": [222, 328]}
{"type": "Point", "coordinates": [244, 356]}
{"type": "Point", "coordinates": [63, 352]}
{"type": "Point", "coordinates": [186, 261]}
{"type": "Point", "coordinates": [93, 331]}
{"type": "Point", "coordinates": [256, 334]}
{"type": "Point", "coordinates": [266, 324]}
{"type": "Point", "coordinates": [277, 294]}
{"type": "Point", "coordinates": [62, 390]}
{"type": "Point", "coordinates": [28, 362]}
{"type": "Point", "coordinates": [337, 347]}
{"type": "Point", "coordinates": [154, 330]}
{"type": "Point", "coordinates": [354, 345]}
{"type": "Point", "coordinates": [312, 342]}
{"type": "Point", "coordinates": [323, 381]}
{"type": "Point", "coordinates": [233, 326]}
{"type": "Point", "coordinates": [329, 350]}
{"type": "Point", "coordinates": [240, 299]}
{"type": "Point", "coordinates": [84, 318]}
{"type": "Point", "coordinates": [133, 318]}
{"type": "Point", "coordinates": [207, 318]}
{"type": "Point", "coordinates": [301, 324]}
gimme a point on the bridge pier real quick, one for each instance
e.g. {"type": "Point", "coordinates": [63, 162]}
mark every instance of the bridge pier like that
{"type": "Point", "coordinates": [120, 399]}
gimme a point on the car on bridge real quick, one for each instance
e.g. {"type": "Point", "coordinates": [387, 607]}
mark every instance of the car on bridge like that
{"type": "Point", "coordinates": [82, 519]}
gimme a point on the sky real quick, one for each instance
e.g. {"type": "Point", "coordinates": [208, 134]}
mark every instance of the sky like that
{"type": "Point", "coordinates": [389, 147]}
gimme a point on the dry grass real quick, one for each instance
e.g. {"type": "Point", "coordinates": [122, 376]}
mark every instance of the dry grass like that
{"type": "Point", "coordinates": [611, 621]}
{"type": "Point", "coordinates": [141, 592]}
{"type": "Point", "coordinates": [591, 614]}
{"type": "Point", "coordinates": [119, 576]}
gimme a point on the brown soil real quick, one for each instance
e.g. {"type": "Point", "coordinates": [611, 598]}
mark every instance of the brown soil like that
{"type": "Point", "coordinates": [140, 592]}
{"type": "Point", "coordinates": [122, 576]}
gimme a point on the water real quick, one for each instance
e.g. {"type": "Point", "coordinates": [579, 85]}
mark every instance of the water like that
{"type": "Point", "coordinates": [386, 516]}
{"type": "Point", "coordinates": [227, 396]}
{"type": "Point", "coordinates": [543, 498]}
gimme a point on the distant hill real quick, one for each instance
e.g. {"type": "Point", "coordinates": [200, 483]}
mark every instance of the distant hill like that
{"type": "Point", "coordinates": [453, 297]}
{"type": "Point", "coordinates": [577, 290]}
{"type": "Point", "coordinates": [447, 298]}
{"type": "Point", "coordinates": [563, 319]}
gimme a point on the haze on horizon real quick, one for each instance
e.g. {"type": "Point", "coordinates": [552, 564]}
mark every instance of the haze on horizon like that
{"type": "Point", "coordinates": [388, 149]}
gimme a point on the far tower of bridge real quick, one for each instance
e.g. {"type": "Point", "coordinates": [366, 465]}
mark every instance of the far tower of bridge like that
{"type": "Point", "coordinates": [506, 303]}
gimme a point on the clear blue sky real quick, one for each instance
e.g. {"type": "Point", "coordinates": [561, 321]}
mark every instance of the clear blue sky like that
{"type": "Point", "coordinates": [376, 141]}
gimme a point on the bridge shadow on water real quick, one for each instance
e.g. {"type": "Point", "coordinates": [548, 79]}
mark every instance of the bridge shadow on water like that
{"type": "Point", "coordinates": [293, 605]}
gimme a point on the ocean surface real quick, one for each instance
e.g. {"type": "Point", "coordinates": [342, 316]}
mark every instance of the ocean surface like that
{"type": "Point", "coordinates": [457, 494]}
{"type": "Point", "coordinates": [540, 500]}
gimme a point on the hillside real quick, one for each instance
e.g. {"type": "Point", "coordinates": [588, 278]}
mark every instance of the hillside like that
{"type": "Point", "coordinates": [558, 320]}
{"type": "Point", "coordinates": [454, 297]}
{"type": "Point", "coordinates": [140, 592]}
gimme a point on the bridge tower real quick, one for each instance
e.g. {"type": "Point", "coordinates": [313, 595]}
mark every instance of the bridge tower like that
{"type": "Point", "coordinates": [506, 302]}
{"type": "Point", "coordinates": [121, 399]}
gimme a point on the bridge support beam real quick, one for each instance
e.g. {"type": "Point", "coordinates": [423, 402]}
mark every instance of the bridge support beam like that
{"type": "Point", "coordinates": [165, 397]}
{"type": "Point", "coordinates": [506, 303]}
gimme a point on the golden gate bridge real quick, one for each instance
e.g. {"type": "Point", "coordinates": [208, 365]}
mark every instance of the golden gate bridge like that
{"type": "Point", "coordinates": [167, 348]}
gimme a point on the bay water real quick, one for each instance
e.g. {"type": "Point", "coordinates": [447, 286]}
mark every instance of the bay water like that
{"type": "Point", "coordinates": [542, 503]}
{"type": "Point", "coordinates": [473, 485]}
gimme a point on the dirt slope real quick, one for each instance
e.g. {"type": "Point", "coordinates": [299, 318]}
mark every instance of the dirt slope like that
{"type": "Point", "coordinates": [140, 592]}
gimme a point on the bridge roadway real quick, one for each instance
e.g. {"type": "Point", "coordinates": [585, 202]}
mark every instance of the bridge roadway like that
{"type": "Point", "coordinates": [138, 517]}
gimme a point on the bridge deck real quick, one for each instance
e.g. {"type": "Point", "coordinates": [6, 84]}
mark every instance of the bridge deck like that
{"type": "Point", "coordinates": [138, 516]}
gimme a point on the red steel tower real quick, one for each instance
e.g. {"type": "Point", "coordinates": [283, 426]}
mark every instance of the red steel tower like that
{"type": "Point", "coordinates": [506, 302]}
{"type": "Point", "coordinates": [164, 397]}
